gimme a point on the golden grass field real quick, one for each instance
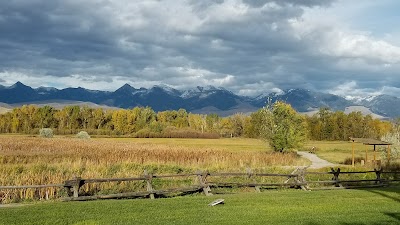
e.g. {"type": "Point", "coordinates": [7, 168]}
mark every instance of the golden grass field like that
{"type": "Point", "coordinates": [29, 160]}
{"type": "Point", "coordinates": [34, 160]}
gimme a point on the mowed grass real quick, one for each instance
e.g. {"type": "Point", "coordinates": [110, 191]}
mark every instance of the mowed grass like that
{"type": "Point", "coordinates": [362, 207]}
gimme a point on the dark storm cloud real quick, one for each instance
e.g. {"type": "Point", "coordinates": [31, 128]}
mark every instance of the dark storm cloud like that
{"type": "Point", "coordinates": [248, 46]}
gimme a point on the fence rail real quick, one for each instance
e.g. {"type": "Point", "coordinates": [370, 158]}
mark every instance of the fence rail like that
{"type": "Point", "coordinates": [296, 179]}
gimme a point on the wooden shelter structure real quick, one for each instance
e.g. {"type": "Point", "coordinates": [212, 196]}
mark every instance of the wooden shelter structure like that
{"type": "Point", "coordinates": [369, 141]}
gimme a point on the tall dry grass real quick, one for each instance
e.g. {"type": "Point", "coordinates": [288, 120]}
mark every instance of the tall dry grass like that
{"type": "Point", "coordinates": [33, 160]}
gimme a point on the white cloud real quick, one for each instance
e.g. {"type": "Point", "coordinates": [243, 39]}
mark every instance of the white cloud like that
{"type": "Point", "coordinates": [344, 45]}
{"type": "Point", "coordinates": [352, 91]}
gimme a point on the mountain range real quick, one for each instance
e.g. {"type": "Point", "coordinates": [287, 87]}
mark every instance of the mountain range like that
{"type": "Point", "coordinates": [207, 99]}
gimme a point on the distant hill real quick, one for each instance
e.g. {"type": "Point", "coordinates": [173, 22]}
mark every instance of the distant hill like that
{"type": "Point", "coordinates": [59, 104]}
{"type": "Point", "coordinates": [207, 99]}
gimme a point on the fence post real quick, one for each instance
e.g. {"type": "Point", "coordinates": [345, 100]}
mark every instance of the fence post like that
{"type": "Point", "coordinates": [149, 178]}
{"type": "Point", "coordinates": [202, 181]}
{"type": "Point", "coordinates": [336, 177]}
{"type": "Point", "coordinates": [290, 177]}
{"type": "Point", "coordinates": [302, 179]}
{"type": "Point", "coordinates": [73, 186]}
{"type": "Point", "coordinates": [378, 176]}
{"type": "Point", "coordinates": [250, 174]}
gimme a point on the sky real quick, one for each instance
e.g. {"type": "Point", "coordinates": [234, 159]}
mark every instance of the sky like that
{"type": "Point", "coordinates": [250, 47]}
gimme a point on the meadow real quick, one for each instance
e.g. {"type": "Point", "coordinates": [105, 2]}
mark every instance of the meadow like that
{"type": "Point", "coordinates": [34, 160]}
{"type": "Point", "coordinates": [30, 160]}
{"type": "Point", "coordinates": [339, 151]}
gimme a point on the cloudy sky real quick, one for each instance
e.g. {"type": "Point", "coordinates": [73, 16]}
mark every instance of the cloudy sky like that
{"type": "Point", "coordinates": [345, 47]}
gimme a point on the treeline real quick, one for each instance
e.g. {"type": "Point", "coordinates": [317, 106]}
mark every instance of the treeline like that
{"type": "Point", "coordinates": [136, 122]}
{"type": "Point", "coordinates": [145, 122]}
{"type": "Point", "coordinates": [328, 125]}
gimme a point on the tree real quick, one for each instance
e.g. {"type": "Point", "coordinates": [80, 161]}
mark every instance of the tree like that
{"type": "Point", "coordinates": [212, 122]}
{"type": "Point", "coordinates": [46, 117]}
{"type": "Point", "coordinates": [394, 139]}
{"type": "Point", "coordinates": [120, 121]}
{"type": "Point", "coordinates": [226, 127]}
{"type": "Point", "coordinates": [253, 128]}
{"type": "Point", "coordinates": [238, 121]}
{"type": "Point", "coordinates": [197, 122]}
{"type": "Point", "coordinates": [327, 128]}
{"type": "Point", "coordinates": [283, 127]}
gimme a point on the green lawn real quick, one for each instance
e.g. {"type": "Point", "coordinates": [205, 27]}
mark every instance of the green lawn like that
{"type": "Point", "coordinates": [369, 206]}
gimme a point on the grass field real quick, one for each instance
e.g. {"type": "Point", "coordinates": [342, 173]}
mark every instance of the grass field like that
{"type": "Point", "coordinates": [226, 144]}
{"type": "Point", "coordinates": [361, 207]}
{"type": "Point", "coordinates": [338, 151]}
{"type": "Point", "coordinates": [33, 160]}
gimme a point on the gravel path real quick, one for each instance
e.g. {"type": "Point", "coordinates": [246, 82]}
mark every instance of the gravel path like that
{"type": "Point", "coordinates": [316, 162]}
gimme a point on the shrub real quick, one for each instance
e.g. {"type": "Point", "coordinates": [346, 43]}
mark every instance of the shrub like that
{"type": "Point", "coordinates": [143, 133]}
{"type": "Point", "coordinates": [349, 160]}
{"type": "Point", "coordinates": [46, 132]}
{"type": "Point", "coordinates": [394, 139]}
{"type": "Point", "coordinates": [83, 135]}
{"type": "Point", "coordinates": [187, 133]}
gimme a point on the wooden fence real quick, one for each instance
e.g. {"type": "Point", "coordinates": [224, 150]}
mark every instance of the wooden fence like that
{"type": "Point", "coordinates": [296, 179]}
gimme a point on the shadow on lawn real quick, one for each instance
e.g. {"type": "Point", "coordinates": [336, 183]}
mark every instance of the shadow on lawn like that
{"type": "Point", "coordinates": [394, 215]}
{"type": "Point", "coordinates": [385, 195]}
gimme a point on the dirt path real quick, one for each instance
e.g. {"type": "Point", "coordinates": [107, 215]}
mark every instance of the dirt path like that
{"type": "Point", "coordinates": [316, 162]}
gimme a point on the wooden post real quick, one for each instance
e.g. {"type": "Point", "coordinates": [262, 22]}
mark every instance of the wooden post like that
{"type": "Point", "coordinates": [202, 181]}
{"type": "Point", "coordinates": [366, 154]}
{"type": "Point", "coordinates": [250, 175]}
{"type": "Point", "coordinates": [302, 179]}
{"type": "Point", "coordinates": [149, 178]}
{"type": "Point", "coordinates": [73, 186]}
{"type": "Point", "coordinates": [378, 175]}
{"type": "Point", "coordinates": [352, 148]}
{"type": "Point", "coordinates": [76, 184]}
{"type": "Point", "coordinates": [336, 177]}
{"type": "Point", "coordinates": [374, 154]}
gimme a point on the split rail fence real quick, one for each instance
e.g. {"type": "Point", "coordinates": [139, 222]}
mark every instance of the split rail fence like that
{"type": "Point", "coordinates": [300, 178]}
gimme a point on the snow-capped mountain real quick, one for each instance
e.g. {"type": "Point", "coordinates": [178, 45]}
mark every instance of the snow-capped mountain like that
{"type": "Point", "coordinates": [207, 99]}
{"type": "Point", "coordinates": [305, 100]}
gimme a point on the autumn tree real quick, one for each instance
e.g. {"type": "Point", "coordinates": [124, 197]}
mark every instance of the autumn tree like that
{"type": "Point", "coordinates": [283, 127]}
{"type": "Point", "coordinates": [212, 122]}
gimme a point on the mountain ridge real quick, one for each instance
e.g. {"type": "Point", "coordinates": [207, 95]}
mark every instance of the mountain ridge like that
{"type": "Point", "coordinates": [198, 99]}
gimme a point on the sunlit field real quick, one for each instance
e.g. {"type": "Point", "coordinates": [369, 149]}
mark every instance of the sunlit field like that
{"type": "Point", "coordinates": [339, 151]}
{"type": "Point", "coordinates": [35, 160]}
{"type": "Point", "coordinates": [226, 144]}
{"type": "Point", "coordinates": [29, 160]}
